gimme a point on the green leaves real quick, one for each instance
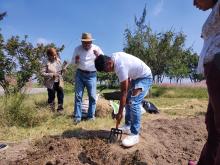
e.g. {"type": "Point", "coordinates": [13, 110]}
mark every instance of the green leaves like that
{"type": "Point", "coordinates": [20, 61]}
{"type": "Point", "coordinates": [2, 15]}
{"type": "Point", "coordinates": [163, 52]}
{"type": "Point", "coordinates": [109, 80]}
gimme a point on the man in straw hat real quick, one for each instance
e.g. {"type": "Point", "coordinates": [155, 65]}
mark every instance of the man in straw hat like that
{"type": "Point", "coordinates": [84, 56]}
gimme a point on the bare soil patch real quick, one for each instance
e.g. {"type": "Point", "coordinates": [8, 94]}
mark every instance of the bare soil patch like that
{"type": "Point", "coordinates": [163, 142]}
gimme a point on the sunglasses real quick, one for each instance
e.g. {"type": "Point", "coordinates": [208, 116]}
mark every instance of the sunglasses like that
{"type": "Point", "coordinates": [86, 42]}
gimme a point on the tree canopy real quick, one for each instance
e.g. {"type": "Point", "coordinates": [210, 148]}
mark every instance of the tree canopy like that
{"type": "Point", "coordinates": [20, 61]}
{"type": "Point", "coordinates": [163, 52]}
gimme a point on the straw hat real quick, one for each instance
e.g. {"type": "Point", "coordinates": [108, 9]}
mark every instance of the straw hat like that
{"type": "Point", "coordinates": [86, 37]}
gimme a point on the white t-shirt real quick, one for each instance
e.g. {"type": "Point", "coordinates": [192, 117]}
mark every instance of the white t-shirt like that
{"type": "Point", "coordinates": [128, 66]}
{"type": "Point", "coordinates": [87, 58]}
{"type": "Point", "coordinates": [211, 36]}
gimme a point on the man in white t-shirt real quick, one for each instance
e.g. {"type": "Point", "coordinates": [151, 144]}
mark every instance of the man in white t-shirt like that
{"type": "Point", "coordinates": [135, 81]}
{"type": "Point", "coordinates": [84, 56]}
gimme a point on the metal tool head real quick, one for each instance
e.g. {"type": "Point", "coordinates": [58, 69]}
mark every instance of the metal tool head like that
{"type": "Point", "coordinates": [115, 135]}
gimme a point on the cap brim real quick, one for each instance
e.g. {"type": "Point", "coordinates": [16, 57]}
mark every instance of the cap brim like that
{"type": "Point", "coordinates": [87, 40]}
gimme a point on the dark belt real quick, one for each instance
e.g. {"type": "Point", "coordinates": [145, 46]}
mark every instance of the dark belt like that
{"type": "Point", "coordinates": [86, 71]}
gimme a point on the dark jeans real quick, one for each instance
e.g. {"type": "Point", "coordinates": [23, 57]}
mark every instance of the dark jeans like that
{"type": "Point", "coordinates": [52, 92]}
{"type": "Point", "coordinates": [210, 154]}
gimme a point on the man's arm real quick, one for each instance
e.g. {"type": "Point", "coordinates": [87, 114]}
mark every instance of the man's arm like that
{"type": "Point", "coordinates": [124, 91]}
{"type": "Point", "coordinates": [97, 51]}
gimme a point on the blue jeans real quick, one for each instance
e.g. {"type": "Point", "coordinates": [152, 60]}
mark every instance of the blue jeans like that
{"type": "Point", "coordinates": [83, 80]}
{"type": "Point", "coordinates": [133, 109]}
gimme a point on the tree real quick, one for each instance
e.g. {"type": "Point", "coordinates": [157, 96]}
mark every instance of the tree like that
{"type": "Point", "coordinates": [2, 15]}
{"type": "Point", "coordinates": [109, 80]}
{"type": "Point", "coordinates": [176, 66]}
{"type": "Point", "coordinates": [20, 60]}
{"type": "Point", "coordinates": [192, 62]}
{"type": "Point", "coordinates": [70, 73]}
{"type": "Point", "coordinates": [163, 52]}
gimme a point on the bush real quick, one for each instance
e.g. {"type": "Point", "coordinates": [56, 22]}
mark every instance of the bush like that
{"type": "Point", "coordinates": [17, 111]}
{"type": "Point", "coordinates": [68, 88]}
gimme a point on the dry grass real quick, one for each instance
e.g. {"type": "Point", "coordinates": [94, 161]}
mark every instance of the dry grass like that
{"type": "Point", "coordinates": [178, 107]}
{"type": "Point", "coordinates": [169, 108]}
{"type": "Point", "coordinates": [103, 108]}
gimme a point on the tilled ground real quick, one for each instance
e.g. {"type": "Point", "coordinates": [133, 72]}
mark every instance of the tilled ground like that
{"type": "Point", "coordinates": [163, 142]}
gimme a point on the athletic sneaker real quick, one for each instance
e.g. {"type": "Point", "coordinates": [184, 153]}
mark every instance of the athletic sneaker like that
{"type": "Point", "coordinates": [3, 147]}
{"type": "Point", "coordinates": [130, 140]}
{"type": "Point", "coordinates": [126, 129]}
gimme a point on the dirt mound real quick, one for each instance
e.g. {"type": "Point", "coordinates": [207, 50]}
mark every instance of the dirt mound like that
{"type": "Point", "coordinates": [173, 142]}
{"type": "Point", "coordinates": [163, 142]}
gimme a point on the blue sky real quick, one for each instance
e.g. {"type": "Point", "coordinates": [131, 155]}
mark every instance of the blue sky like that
{"type": "Point", "coordinates": [63, 21]}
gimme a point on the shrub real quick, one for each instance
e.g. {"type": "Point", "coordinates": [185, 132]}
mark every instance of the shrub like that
{"type": "Point", "coordinates": [17, 111]}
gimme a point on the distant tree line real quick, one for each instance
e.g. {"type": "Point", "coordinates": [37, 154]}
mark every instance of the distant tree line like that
{"type": "Point", "coordinates": [163, 52]}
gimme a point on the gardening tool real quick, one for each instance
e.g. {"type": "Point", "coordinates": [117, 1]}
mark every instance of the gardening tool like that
{"type": "Point", "coordinates": [115, 134]}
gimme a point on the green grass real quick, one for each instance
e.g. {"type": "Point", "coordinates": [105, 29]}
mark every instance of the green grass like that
{"type": "Point", "coordinates": [69, 88]}
{"type": "Point", "coordinates": [173, 102]}
{"type": "Point", "coordinates": [20, 110]}
{"type": "Point", "coordinates": [178, 92]}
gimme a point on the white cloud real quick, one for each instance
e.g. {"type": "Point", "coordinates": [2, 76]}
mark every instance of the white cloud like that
{"type": "Point", "coordinates": [158, 8]}
{"type": "Point", "coordinates": [43, 41]}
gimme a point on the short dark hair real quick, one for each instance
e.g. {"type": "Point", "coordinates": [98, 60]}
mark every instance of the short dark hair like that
{"type": "Point", "coordinates": [100, 62]}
